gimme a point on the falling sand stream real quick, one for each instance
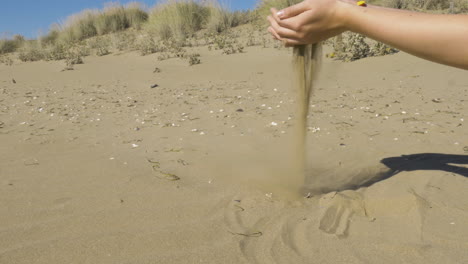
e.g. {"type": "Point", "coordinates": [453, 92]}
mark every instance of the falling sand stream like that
{"type": "Point", "coordinates": [306, 63]}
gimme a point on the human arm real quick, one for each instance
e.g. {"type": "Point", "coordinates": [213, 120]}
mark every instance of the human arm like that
{"type": "Point", "coordinates": [439, 38]}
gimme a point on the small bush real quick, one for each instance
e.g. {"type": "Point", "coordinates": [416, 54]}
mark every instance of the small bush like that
{"type": "Point", "coordinates": [31, 51]}
{"type": "Point", "coordinates": [11, 45]}
{"type": "Point", "coordinates": [101, 45]}
{"type": "Point", "coordinates": [352, 46]}
{"type": "Point", "coordinates": [124, 40]}
{"type": "Point", "coordinates": [147, 46]}
{"type": "Point", "coordinates": [5, 59]}
{"type": "Point", "coordinates": [194, 59]}
{"type": "Point", "coordinates": [164, 56]}
{"type": "Point", "coordinates": [7, 46]}
{"type": "Point", "coordinates": [357, 46]}
{"type": "Point", "coordinates": [227, 42]}
{"type": "Point", "coordinates": [380, 49]}
{"type": "Point", "coordinates": [74, 57]}
{"type": "Point", "coordinates": [57, 51]}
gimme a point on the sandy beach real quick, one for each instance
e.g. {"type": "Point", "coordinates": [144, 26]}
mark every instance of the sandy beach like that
{"type": "Point", "coordinates": [98, 167]}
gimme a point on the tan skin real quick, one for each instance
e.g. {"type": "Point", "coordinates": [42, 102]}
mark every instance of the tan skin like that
{"type": "Point", "coordinates": [438, 38]}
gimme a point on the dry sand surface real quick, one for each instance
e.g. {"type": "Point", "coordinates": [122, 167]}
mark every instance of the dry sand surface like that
{"type": "Point", "coordinates": [97, 167]}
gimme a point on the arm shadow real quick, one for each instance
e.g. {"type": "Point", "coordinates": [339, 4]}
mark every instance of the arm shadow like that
{"type": "Point", "coordinates": [339, 180]}
{"type": "Point", "coordinates": [427, 161]}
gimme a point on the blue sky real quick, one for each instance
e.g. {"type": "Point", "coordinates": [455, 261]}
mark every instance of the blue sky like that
{"type": "Point", "coordinates": [31, 17]}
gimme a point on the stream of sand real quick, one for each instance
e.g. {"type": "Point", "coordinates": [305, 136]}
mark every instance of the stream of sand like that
{"type": "Point", "coordinates": [306, 63]}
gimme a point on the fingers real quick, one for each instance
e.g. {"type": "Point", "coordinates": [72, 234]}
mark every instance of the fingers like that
{"type": "Point", "coordinates": [287, 35]}
{"type": "Point", "coordinates": [287, 42]}
{"type": "Point", "coordinates": [296, 23]}
{"type": "Point", "coordinates": [292, 10]}
{"type": "Point", "coordinates": [292, 42]}
{"type": "Point", "coordinates": [273, 32]}
{"type": "Point", "coordinates": [281, 31]}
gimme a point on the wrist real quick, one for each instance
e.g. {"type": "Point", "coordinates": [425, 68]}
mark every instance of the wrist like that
{"type": "Point", "coordinates": [350, 14]}
{"type": "Point", "coordinates": [343, 9]}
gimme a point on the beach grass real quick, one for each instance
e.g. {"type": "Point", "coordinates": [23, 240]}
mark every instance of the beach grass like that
{"type": "Point", "coordinates": [90, 23]}
{"type": "Point", "coordinates": [177, 19]}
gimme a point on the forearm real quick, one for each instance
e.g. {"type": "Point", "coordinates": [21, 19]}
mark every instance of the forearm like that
{"type": "Point", "coordinates": [439, 38]}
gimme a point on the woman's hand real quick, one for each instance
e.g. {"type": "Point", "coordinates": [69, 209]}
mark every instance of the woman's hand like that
{"type": "Point", "coordinates": [308, 22]}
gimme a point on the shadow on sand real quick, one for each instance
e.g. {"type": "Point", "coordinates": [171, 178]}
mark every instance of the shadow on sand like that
{"type": "Point", "coordinates": [346, 178]}
{"type": "Point", "coordinates": [427, 161]}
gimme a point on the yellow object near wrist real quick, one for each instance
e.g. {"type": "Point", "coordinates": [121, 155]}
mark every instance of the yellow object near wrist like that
{"type": "Point", "coordinates": [361, 3]}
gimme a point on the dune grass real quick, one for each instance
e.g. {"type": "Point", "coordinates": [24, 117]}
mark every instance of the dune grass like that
{"type": "Point", "coordinates": [222, 19]}
{"type": "Point", "coordinates": [89, 23]}
{"type": "Point", "coordinates": [178, 19]}
{"type": "Point", "coordinates": [116, 18]}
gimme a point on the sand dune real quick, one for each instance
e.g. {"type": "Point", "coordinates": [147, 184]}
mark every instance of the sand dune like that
{"type": "Point", "coordinates": [89, 158]}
